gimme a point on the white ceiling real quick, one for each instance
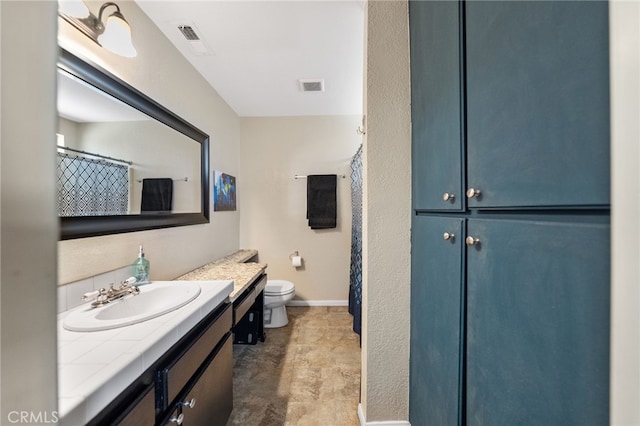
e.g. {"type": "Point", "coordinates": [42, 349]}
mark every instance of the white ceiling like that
{"type": "Point", "coordinates": [258, 50]}
{"type": "Point", "coordinates": [81, 102]}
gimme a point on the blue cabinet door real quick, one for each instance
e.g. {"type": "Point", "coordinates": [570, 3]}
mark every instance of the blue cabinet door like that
{"type": "Point", "coordinates": [436, 321]}
{"type": "Point", "coordinates": [436, 98]}
{"type": "Point", "coordinates": [537, 324]}
{"type": "Point", "coordinates": [537, 103]}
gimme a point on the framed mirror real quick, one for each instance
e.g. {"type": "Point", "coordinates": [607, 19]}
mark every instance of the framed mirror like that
{"type": "Point", "coordinates": [125, 162]}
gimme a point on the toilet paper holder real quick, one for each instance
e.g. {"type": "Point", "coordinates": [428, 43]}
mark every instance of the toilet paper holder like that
{"type": "Point", "coordinates": [296, 260]}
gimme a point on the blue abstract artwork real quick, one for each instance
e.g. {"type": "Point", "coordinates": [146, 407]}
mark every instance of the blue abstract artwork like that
{"type": "Point", "coordinates": [224, 192]}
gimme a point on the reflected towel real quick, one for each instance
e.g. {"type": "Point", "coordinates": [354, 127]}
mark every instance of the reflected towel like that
{"type": "Point", "coordinates": [157, 194]}
{"type": "Point", "coordinates": [321, 201]}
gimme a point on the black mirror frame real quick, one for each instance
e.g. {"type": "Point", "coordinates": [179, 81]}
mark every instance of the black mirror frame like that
{"type": "Point", "coordinates": [92, 226]}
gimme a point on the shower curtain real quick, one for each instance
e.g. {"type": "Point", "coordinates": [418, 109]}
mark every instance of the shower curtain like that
{"type": "Point", "coordinates": [355, 281]}
{"type": "Point", "coordinates": [90, 187]}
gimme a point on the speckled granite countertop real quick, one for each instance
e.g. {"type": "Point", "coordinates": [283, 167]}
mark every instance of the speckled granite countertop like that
{"type": "Point", "coordinates": [230, 267]}
{"type": "Point", "coordinates": [238, 257]}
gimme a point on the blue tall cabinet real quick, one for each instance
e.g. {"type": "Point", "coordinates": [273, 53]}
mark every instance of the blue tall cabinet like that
{"type": "Point", "coordinates": [510, 231]}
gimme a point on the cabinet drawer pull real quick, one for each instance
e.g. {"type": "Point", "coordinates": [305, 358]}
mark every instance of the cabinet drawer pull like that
{"type": "Point", "coordinates": [472, 241]}
{"type": "Point", "coordinates": [472, 192]}
{"type": "Point", "coordinates": [177, 420]}
{"type": "Point", "coordinates": [448, 196]}
{"type": "Point", "coordinates": [191, 403]}
{"type": "Point", "coordinates": [448, 236]}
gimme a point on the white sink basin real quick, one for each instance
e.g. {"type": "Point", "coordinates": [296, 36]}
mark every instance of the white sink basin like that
{"type": "Point", "coordinates": [154, 300]}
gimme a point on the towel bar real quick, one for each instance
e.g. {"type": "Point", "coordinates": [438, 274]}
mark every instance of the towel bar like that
{"type": "Point", "coordinates": [185, 179]}
{"type": "Point", "coordinates": [304, 176]}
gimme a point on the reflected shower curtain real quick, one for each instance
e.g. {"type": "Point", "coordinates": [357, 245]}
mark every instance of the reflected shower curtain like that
{"type": "Point", "coordinates": [355, 281]}
{"type": "Point", "coordinates": [90, 187]}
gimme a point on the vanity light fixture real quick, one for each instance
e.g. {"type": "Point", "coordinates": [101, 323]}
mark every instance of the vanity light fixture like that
{"type": "Point", "coordinates": [114, 35]}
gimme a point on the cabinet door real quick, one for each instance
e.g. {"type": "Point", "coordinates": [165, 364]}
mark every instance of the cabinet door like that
{"type": "Point", "coordinates": [143, 413]}
{"type": "Point", "coordinates": [537, 323]}
{"type": "Point", "coordinates": [436, 96]}
{"type": "Point", "coordinates": [436, 321]}
{"type": "Point", "coordinates": [537, 103]}
{"type": "Point", "coordinates": [213, 392]}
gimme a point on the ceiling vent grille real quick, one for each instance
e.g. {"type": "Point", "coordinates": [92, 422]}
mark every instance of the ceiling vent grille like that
{"type": "Point", "coordinates": [188, 32]}
{"type": "Point", "coordinates": [312, 85]}
{"type": "Point", "coordinates": [194, 40]}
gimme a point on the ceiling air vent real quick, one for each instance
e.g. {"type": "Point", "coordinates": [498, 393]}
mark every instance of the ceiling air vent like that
{"type": "Point", "coordinates": [312, 85]}
{"type": "Point", "coordinates": [188, 32]}
{"type": "Point", "coordinates": [194, 41]}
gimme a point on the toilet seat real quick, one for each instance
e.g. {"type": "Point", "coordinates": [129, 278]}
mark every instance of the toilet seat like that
{"type": "Point", "coordinates": [278, 288]}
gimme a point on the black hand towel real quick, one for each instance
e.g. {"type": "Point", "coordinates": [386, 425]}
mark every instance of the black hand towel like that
{"type": "Point", "coordinates": [321, 201]}
{"type": "Point", "coordinates": [157, 195]}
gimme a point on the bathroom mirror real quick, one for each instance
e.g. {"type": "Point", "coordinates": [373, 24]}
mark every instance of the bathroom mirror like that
{"type": "Point", "coordinates": [125, 163]}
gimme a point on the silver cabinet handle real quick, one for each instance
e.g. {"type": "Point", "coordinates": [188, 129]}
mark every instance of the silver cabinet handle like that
{"type": "Point", "coordinates": [472, 241]}
{"type": "Point", "coordinates": [191, 403]}
{"type": "Point", "coordinates": [472, 192]}
{"type": "Point", "coordinates": [447, 196]}
{"type": "Point", "coordinates": [448, 236]}
{"type": "Point", "coordinates": [177, 420]}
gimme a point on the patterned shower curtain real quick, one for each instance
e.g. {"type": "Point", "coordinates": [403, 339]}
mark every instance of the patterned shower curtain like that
{"type": "Point", "coordinates": [90, 187]}
{"type": "Point", "coordinates": [355, 286]}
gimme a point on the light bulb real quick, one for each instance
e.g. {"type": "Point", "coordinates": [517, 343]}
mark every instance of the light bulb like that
{"type": "Point", "coordinates": [117, 36]}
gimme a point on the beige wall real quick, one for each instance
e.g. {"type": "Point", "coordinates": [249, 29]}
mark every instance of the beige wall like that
{"type": "Point", "coordinates": [29, 227]}
{"type": "Point", "coordinates": [69, 129]}
{"type": "Point", "coordinates": [625, 214]}
{"type": "Point", "coordinates": [273, 203]}
{"type": "Point", "coordinates": [162, 73]}
{"type": "Point", "coordinates": [387, 214]}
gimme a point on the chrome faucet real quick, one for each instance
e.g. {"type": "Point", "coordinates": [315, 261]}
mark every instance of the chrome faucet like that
{"type": "Point", "coordinates": [104, 296]}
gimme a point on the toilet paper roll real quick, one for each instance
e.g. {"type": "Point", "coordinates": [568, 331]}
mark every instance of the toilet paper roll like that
{"type": "Point", "coordinates": [296, 261]}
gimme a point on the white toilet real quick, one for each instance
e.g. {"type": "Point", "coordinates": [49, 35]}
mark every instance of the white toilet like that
{"type": "Point", "coordinates": [276, 294]}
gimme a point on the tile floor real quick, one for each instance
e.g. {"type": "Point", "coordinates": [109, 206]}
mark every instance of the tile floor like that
{"type": "Point", "coordinates": [307, 373]}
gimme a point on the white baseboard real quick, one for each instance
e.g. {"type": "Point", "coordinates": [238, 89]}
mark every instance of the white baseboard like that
{"type": "Point", "coordinates": [363, 422]}
{"type": "Point", "coordinates": [318, 303]}
{"type": "Point", "coordinates": [361, 418]}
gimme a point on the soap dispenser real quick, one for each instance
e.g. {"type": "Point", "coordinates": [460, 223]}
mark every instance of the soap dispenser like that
{"type": "Point", "coordinates": [141, 268]}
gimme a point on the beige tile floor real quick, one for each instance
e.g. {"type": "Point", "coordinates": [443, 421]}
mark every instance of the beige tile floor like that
{"type": "Point", "coordinates": [307, 373]}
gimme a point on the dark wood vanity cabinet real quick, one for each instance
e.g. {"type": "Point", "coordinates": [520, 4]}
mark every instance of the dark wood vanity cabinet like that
{"type": "Point", "coordinates": [135, 406]}
{"type": "Point", "coordinates": [197, 383]}
{"type": "Point", "coordinates": [191, 384]}
{"type": "Point", "coordinates": [207, 399]}
{"type": "Point", "coordinates": [142, 412]}
{"type": "Point", "coordinates": [248, 311]}
{"type": "Point", "coordinates": [210, 400]}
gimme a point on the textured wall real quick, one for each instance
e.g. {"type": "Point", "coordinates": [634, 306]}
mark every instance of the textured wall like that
{"type": "Point", "coordinates": [625, 201]}
{"type": "Point", "coordinates": [29, 227]}
{"type": "Point", "coordinates": [273, 205]}
{"type": "Point", "coordinates": [387, 214]}
{"type": "Point", "coordinates": [162, 73]}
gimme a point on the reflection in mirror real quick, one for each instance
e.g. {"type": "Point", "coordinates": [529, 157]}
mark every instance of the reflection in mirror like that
{"type": "Point", "coordinates": [107, 149]}
{"type": "Point", "coordinates": [125, 163]}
